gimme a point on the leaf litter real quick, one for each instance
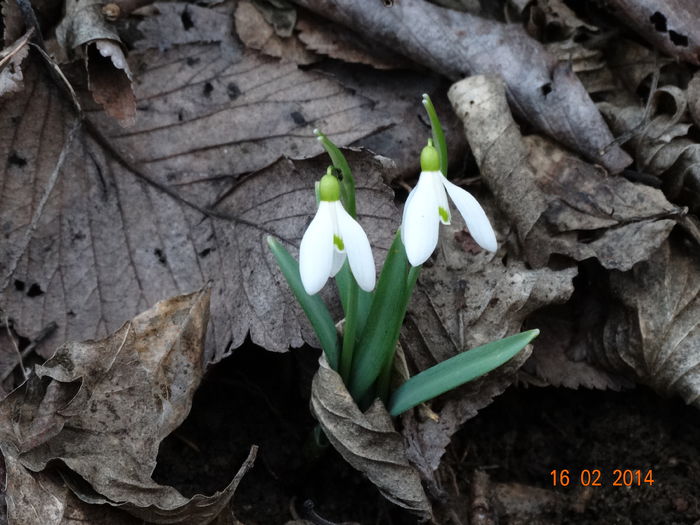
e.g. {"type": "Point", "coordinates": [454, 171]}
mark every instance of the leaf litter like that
{"type": "Point", "coordinates": [84, 430]}
{"type": "Point", "coordinates": [575, 210]}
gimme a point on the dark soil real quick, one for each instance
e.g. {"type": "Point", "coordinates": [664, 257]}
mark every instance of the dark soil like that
{"type": "Point", "coordinates": [257, 397]}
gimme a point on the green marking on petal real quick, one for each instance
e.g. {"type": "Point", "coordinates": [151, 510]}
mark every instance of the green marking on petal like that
{"type": "Point", "coordinates": [338, 243]}
{"type": "Point", "coordinates": [444, 214]}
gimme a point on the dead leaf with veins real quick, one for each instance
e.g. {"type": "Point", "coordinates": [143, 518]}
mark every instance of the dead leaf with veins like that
{"type": "Point", "coordinates": [653, 331]}
{"type": "Point", "coordinates": [546, 94]}
{"type": "Point", "coordinates": [368, 441]}
{"type": "Point", "coordinates": [11, 59]}
{"type": "Point", "coordinates": [91, 419]}
{"type": "Point", "coordinates": [114, 239]}
{"type": "Point", "coordinates": [669, 26]}
{"type": "Point", "coordinates": [558, 203]}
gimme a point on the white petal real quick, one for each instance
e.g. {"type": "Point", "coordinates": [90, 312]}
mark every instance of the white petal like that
{"type": "Point", "coordinates": [474, 216]}
{"type": "Point", "coordinates": [338, 260]}
{"type": "Point", "coordinates": [316, 250]}
{"type": "Point", "coordinates": [421, 221]}
{"type": "Point", "coordinates": [440, 195]}
{"type": "Point", "coordinates": [358, 249]}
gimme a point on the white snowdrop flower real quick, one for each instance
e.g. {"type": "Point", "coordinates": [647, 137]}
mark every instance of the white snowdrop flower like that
{"type": "Point", "coordinates": [427, 206]}
{"type": "Point", "coordinates": [331, 236]}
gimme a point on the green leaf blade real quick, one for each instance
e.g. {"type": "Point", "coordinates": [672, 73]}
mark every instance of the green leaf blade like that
{"type": "Point", "coordinates": [457, 370]}
{"type": "Point", "coordinates": [313, 306]}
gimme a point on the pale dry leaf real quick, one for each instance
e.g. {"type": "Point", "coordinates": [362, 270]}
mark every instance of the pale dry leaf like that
{"type": "Point", "coordinates": [557, 202]}
{"type": "Point", "coordinates": [368, 441]}
{"type": "Point", "coordinates": [560, 354]}
{"type": "Point", "coordinates": [280, 14]}
{"type": "Point", "coordinates": [330, 39]}
{"type": "Point", "coordinates": [670, 26]}
{"type": "Point", "coordinates": [455, 44]}
{"type": "Point", "coordinates": [653, 331]}
{"type": "Point", "coordinates": [85, 32]}
{"type": "Point", "coordinates": [113, 243]}
{"type": "Point", "coordinates": [694, 98]}
{"type": "Point", "coordinates": [398, 93]}
{"type": "Point", "coordinates": [11, 59]}
{"type": "Point", "coordinates": [465, 298]}
{"type": "Point", "coordinates": [96, 412]}
{"type": "Point", "coordinates": [661, 144]}
{"type": "Point", "coordinates": [257, 33]}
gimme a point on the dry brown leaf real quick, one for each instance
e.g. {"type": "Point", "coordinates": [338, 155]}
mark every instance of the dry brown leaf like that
{"type": "Point", "coordinates": [85, 31]}
{"type": "Point", "coordinates": [11, 59]}
{"type": "Point", "coordinates": [96, 412]}
{"type": "Point", "coordinates": [653, 331]}
{"type": "Point", "coordinates": [330, 39]}
{"type": "Point", "coordinates": [661, 145]}
{"type": "Point", "coordinates": [557, 202]}
{"type": "Point", "coordinates": [113, 242]}
{"type": "Point", "coordinates": [466, 298]}
{"type": "Point", "coordinates": [671, 26]}
{"type": "Point", "coordinates": [455, 44]}
{"type": "Point", "coordinates": [257, 33]}
{"type": "Point", "coordinates": [368, 441]}
{"type": "Point", "coordinates": [694, 98]}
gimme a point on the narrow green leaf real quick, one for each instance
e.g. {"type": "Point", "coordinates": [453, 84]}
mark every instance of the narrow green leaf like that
{"type": "Point", "coordinates": [347, 185]}
{"type": "Point", "coordinates": [456, 371]}
{"type": "Point", "coordinates": [313, 306]}
{"type": "Point", "coordinates": [378, 340]}
{"type": "Point", "coordinates": [438, 134]}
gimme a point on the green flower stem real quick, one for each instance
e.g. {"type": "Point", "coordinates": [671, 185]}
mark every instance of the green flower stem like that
{"type": "Point", "coordinates": [313, 306]}
{"type": "Point", "coordinates": [384, 383]}
{"type": "Point", "coordinates": [347, 185]}
{"type": "Point", "coordinates": [438, 134]}
{"type": "Point", "coordinates": [349, 330]}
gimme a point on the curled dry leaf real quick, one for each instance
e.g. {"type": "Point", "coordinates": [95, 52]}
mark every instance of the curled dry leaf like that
{"type": "Point", "coordinates": [11, 59]}
{"type": "Point", "coordinates": [466, 298]}
{"type": "Point", "coordinates": [114, 240]}
{"type": "Point", "coordinates": [367, 441]}
{"type": "Point", "coordinates": [653, 331]}
{"type": "Point", "coordinates": [98, 410]}
{"type": "Point", "coordinates": [330, 39]}
{"type": "Point", "coordinates": [661, 145]}
{"type": "Point", "coordinates": [557, 202]}
{"type": "Point", "coordinates": [85, 30]}
{"type": "Point", "coordinates": [671, 26]}
{"type": "Point", "coordinates": [257, 33]}
{"type": "Point", "coordinates": [457, 44]}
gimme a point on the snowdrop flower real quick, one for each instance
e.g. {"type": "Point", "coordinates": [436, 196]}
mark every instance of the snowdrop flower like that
{"type": "Point", "coordinates": [427, 207]}
{"type": "Point", "coordinates": [331, 236]}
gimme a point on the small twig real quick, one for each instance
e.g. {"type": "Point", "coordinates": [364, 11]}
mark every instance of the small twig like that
{"type": "Point", "coordinates": [20, 360]}
{"type": "Point", "coordinates": [313, 516]}
{"type": "Point", "coordinates": [43, 334]}
{"type": "Point", "coordinates": [645, 117]}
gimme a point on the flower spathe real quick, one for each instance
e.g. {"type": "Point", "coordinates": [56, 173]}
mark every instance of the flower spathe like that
{"type": "Point", "coordinates": [427, 206]}
{"type": "Point", "coordinates": [332, 236]}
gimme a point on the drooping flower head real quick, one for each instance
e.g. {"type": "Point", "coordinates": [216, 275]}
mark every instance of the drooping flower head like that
{"type": "Point", "coordinates": [332, 236]}
{"type": "Point", "coordinates": [427, 207]}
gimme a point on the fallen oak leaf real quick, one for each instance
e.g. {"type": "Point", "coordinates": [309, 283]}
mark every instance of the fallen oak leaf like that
{"type": "Point", "coordinates": [458, 44]}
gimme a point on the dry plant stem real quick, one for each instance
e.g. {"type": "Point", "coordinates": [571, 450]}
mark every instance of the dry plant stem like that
{"type": "Point", "coordinates": [20, 362]}
{"type": "Point", "coordinates": [45, 332]}
{"type": "Point", "coordinates": [39, 210]}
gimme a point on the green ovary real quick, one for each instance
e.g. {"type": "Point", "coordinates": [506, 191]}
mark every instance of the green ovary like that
{"type": "Point", "coordinates": [444, 214]}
